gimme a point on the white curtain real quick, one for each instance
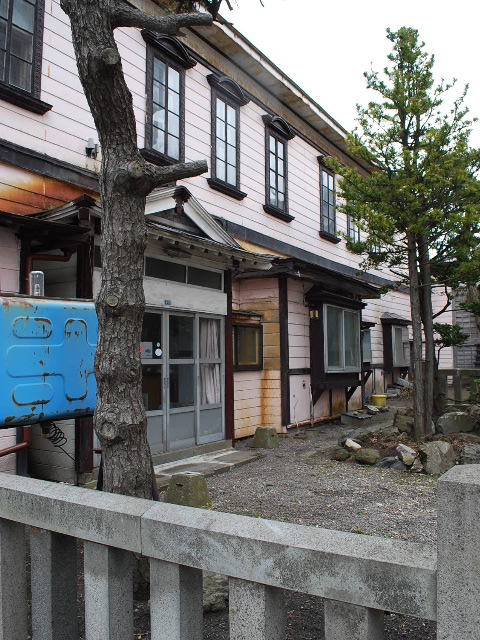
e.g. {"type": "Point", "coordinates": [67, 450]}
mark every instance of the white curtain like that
{"type": "Point", "coordinates": [210, 392]}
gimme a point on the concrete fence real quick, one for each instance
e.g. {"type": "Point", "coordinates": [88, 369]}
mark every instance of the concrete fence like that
{"type": "Point", "coordinates": [360, 577]}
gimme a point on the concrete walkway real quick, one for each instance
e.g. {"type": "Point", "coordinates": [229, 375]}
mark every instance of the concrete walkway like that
{"type": "Point", "coordinates": [208, 464]}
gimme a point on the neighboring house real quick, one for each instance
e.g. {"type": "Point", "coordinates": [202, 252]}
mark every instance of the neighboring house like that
{"type": "Point", "coordinates": [466, 356]}
{"type": "Point", "coordinates": [256, 311]}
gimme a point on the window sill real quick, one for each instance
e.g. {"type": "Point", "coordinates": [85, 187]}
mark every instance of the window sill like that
{"type": "Point", "coordinates": [329, 237]}
{"type": "Point", "coordinates": [157, 158]}
{"type": "Point", "coordinates": [23, 99]}
{"type": "Point", "coordinates": [227, 189]}
{"type": "Point", "coordinates": [248, 368]}
{"type": "Point", "coordinates": [278, 213]}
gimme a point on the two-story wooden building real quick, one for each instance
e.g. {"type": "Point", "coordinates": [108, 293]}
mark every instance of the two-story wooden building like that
{"type": "Point", "coordinates": [257, 312]}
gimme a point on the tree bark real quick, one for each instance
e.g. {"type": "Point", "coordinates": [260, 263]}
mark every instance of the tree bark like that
{"type": "Point", "coordinates": [417, 365]}
{"type": "Point", "coordinates": [125, 180]}
{"type": "Point", "coordinates": [427, 321]}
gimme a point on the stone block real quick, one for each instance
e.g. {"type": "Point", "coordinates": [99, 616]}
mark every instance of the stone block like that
{"type": "Point", "coordinates": [456, 422]}
{"type": "Point", "coordinates": [265, 438]}
{"type": "Point", "coordinates": [13, 581]}
{"type": "Point", "coordinates": [257, 612]}
{"type": "Point", "coordinates": [437, 457]}
{"type": "Point", "coordinates": [345, 621]}
{"type": "Point", "coordinates": [189, 489]}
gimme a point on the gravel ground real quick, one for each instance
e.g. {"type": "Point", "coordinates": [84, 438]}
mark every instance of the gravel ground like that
{"type": "Point", "coordinates": [299, 483]}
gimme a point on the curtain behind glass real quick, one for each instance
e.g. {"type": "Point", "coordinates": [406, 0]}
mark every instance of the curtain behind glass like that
{"type": "Point", "coordinates": [210, 391]}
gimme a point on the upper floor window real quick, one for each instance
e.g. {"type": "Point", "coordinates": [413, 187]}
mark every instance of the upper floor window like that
{"type": "Point", "coordinates": [167, 60]}
{"type": "Point", "coordinates": [21, 38]}
{"type": "Point", "coordinates": [227, 98]}
{"type": "Point", "coordinates": [277, 135]}
{"type": "Point", "coordinates": [328, 224]}
{"type": "Point", "coordinates": [353, 230]}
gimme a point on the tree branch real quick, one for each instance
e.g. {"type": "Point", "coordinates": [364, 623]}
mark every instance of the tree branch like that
{"type": "Point", "coordinates": [148, 177]}
{"type": "Point", "coordinates": [127, 16]}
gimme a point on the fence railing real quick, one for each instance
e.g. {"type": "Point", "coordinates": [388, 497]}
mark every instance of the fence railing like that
{"type": "Point", "coordinates": [360, 577]}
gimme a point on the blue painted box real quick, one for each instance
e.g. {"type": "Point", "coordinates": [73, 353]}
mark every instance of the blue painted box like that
{"type": "Point", "coordinates": [47, 347]}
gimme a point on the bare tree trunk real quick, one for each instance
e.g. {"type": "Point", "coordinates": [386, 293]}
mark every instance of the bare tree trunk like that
{"type": "Point", "coordinates": [427, 319]}
{"type": "Point", "coordinates": [125, 181]}
{"type": "Point", "coordinates": [417, 365]}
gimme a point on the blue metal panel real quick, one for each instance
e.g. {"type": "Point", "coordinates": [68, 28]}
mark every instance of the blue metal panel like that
{"type": "Point", "coordinates": [48, 349]}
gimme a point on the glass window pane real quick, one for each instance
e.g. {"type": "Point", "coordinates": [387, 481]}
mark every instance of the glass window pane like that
{"type": "Point", "coordinates": [280, 149]}
{"type": "Point", "coordinates": [210, 389]}
{"type": "Point", "coordinates": [351, 337]}
{"type": "Point", "coordinates": [273, 197]}
{"type": "Point", "coordinates": [273, 161]}
{"type": "Point", "coordinates": [281, 185]}
{"type": "Point", "coordinates": [209, 338]}
{"type": "Point", "coordinates": [20, 74]}
{"type": "Point", "coordinates": [231, 175]}
{"type": "Point", "coordinates": [231, 116]}
{"type": "Point", "coordinates": [158, 95]}
{"type": "Point", "coordinates": [159, 71]}
{"type": "Point", "coordinates": [173, 147]}
{"type": "Point", "coordinates": [165, 270]}
{"type": "Point", "coordinates": [273, 180]}
{"type": "Point", "coordinates": [152, 387]}
{"type": "Point", "coordinates": [330, 182]}
{"type": "Point", "coordinates": [174, 102]}
{"type": "Point", "coordinates": [158, 142]}
{"type": "Point", "coordinates": [249, 346]}
{"type": "Point", "coordinates": [173, 79]}
{"type": "Point", "coordinates": [220, 110]}
{"type": "Point", "coordinates": [220, 170]}
{"type": "Point", "coordinates": [334, 337]}
{"type": "Point", "coordinates": [159, 118]}
{"type": "Point", "coordinates": [151, 344]}
{"type": "Point", "coordinates": [204, 278]}
{"type": "Point", "coordinates": [4, 6]}
{"type": "Point", "coordinates": [181, 385]}
{"type": "Point", "coordinates": [181, 337]}
{"type": "Point", "coordinates": [397, 346]}
{"type": "Point", "coordinates": [367, 346]}
{"type": "Point", "coordinates": [23, 15]}
{"type": "Point", "coordinates": [220, 129]}
{"type": "Point", "coordinates": [2, 65]}
{"type": "Point", "coordinates": [21, 44]}
{"type": "Point", "coordinates": [280, 200]}
{"type": "Point", "coordinates": [173, 125]}
{"type": "Point", "coordinates": [231, 155]}
{"type": "Point", "coordinates": [280, 167]}
{"type": "Point", "coordinates": [221, 152]}
{"type": "Point", "coordinates": [272, 144]}
{"type": "Point", "coordinates": [231, 136]}
{"type": "Point", "coordinates": [3, 35]}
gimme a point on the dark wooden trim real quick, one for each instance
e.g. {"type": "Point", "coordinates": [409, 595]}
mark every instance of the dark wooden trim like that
{"type": "Point", "coordinates": [84, 444]}
{"type": "Point", "coordinates": [174, 61]}
{"type": "Point", "coordinates": [23, 99]}
{"type": "Point", "coordinates": [170, 48]}
{"type": "Point", "coordinates": [284, 350]}
{"type": "Point", "coordinates": [278, 213]}
{"type": "Point", "coordinates": [299, 372]}
{"type": "Point", "coordinates": [330, 237]}
{"type": "Point", "coordinates": [216, 182]}
{"type": "Point", "coordinates": [25, 251]}
{"type": "Point", "coordinates": [18, 156]}
{"type": "Point", "coordinates": [85, 253]}
{"type": "Point", "coordinates": [157, 158]}
{"type": "Point", "coordinates": [228, 88]}
{"type": "Point", "coordinates": [229, 386]}
{"type": "Point", "coordinates": [226, 189]}
{"type": "Point", "coordinates": [279, 127]}
{"type": "Point", "coordinates": [21, 454]}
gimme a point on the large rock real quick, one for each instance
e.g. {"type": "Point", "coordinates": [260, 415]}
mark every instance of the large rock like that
{"type": "Point", "coordinates": [403, 423]}
{"type": "Point", "coordinates": [352, 445]}
{"type": "Point", "coordinates": [340, 454]}
{"type": "Point", "coordinates": [367, 456]}
{"type": "Point", "coordinates": [456, 422]}
{"type": "Point", "coordinates": [265, 438]}
{"type": "Point", "coordinates": [470, 454]}
{"type": "Point", "coordinates": [406, 454]}
{"type": "Point", "coordinates": [437, 457]}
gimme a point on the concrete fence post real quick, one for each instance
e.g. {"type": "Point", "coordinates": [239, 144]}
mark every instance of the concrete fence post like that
{"type": "Point", "coordinates": [108, 593]}
{"type": "Point", "coordinates": [54, 585]}
{"type": "Point", "coordinates": [458, 556]}
{"type": "Point", "coordinates": [176, 601]}
{"type": "Point", "coordinates": [257, 612]}
{"type": "Point", "coordinates": [345, 621]}
{"type": "Point", "coordinates": [13, 581]}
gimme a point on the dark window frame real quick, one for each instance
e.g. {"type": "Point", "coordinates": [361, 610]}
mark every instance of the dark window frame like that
{"type": "Point", "coordinates": [279, 130]}
{"type": "Point", "coordinates": [258, 328]}
{"type": "Point", "coordinates": [29, 100]}
{"type": "Point", "coordinates": [230, 93]}
{"type": "Point", "coordinates": [353, 230]}
{"type": "Point", "coordinates": [326, 231]}
{"type": "Point", "coordinates": [331, 369]}
{"type": "Point", "coordinates": [173, 54]}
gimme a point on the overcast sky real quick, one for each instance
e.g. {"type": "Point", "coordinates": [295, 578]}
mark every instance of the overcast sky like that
{"type": "Point", "coordinates": [325, 46]}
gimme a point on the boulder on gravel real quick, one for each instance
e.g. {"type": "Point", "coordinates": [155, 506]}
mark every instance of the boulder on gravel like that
{"type": "Point", "coordinates": [367, 456]}
{"type": "Point", "coordinates": [403, 423]}
{"type": "Point", "coordinates": [352, 445]}
{"type": "Point", "coordinates": [406, 454]}
{"type": "Point", "coordinates": [340, 454]}
{"type": "Point", "coordinates": [387, 462]}
{"type": "Point", "coordinates": [455, 422]}
{"type": "Point", "coordinates": [437, 457]}
{"type": "Point", "coordinates": [265, 438]}
{"type": "Point", "coordinates": [470, 454]}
